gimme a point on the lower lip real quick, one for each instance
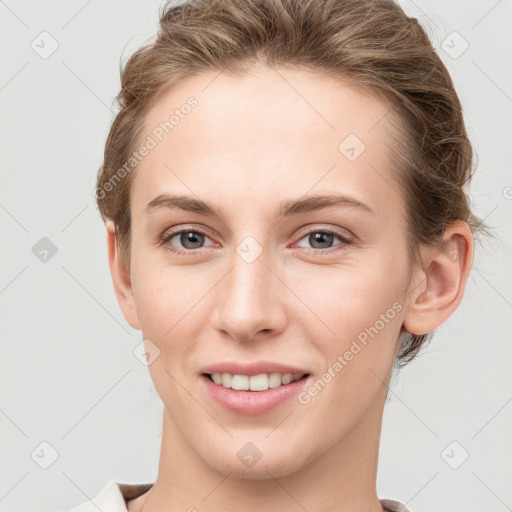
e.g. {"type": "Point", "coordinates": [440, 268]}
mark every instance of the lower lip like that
{"type": "Point", "coordinates": [252, 402]}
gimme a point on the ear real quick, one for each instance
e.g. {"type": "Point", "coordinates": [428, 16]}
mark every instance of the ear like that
{"type": "Point", "coordinates": [120, 278]}
{"type": "Point", "coordinates": [440, 283]}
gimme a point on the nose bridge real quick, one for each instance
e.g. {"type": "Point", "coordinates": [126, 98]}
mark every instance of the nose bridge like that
{"type": "Point", "coordinates": [250, 281]}
{"type": "Point", "coordinates": [249, 296]}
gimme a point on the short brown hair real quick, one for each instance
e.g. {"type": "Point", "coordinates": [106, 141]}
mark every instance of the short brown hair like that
{"type": "Point", "coordinates": [373, 44]}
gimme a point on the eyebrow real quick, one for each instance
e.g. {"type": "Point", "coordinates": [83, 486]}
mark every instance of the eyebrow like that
{"type": "Point", "coordinates": [287, 208]}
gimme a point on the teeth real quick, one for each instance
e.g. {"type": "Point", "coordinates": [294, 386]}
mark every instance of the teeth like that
{"type": "Point", "coordinates": [287, 378]}
{"type": "Point", "coordinates": [260, 382]}
{"type": "Point", "coordinates": [274, 380]}
{"type": "Point", "coordinates": [240, 382]}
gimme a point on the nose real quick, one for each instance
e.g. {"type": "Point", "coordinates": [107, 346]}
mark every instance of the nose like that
{"type": "Point", "coordinates": [251, 300]}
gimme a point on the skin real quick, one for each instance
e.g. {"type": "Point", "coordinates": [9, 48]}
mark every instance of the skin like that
{"type": "Point", "coordinates": [251, 142]}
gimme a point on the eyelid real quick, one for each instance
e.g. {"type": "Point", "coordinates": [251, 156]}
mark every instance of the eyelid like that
{"type": "Point", "coordinates": [305, 230]}
{"type": "Point", "coordinates": [341, 232]}
{"type": "Point", "coordinates": [175, 230]}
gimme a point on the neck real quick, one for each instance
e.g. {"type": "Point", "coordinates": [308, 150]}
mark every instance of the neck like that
{"type": "Point", "coordinates": [343, 478]}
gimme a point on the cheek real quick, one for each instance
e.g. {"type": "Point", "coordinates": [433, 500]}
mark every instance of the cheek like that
{"type": "Point", "coordinates": [362, 307]}
{"type": "Point", "coordinates": [351, 298]}
{"type": "Point", "coordinates": [166, 298]}
{"type": "Point", "coordinates": [168, 303]}
{"type": "Point", "coordinates": [173, 306]}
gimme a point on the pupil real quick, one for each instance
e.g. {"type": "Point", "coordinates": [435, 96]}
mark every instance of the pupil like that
{"type": "Point", "coordinates": [318, 237]}
{"type": "Point", "coordinates": [192, 237]}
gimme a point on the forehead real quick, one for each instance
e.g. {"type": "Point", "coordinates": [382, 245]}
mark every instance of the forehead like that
{"type": "Point", "coordinates": [282, 131]}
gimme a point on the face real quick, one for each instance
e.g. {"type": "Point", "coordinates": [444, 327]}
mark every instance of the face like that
{"type": "Point", "coordinates": [268, 279]}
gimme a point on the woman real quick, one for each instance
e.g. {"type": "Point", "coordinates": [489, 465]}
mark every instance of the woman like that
{"type": "Point", "coordinates": [284, 197]}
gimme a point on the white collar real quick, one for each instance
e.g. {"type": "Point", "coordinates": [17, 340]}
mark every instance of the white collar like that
{"type": "Point", "coordinates": [113, 497]}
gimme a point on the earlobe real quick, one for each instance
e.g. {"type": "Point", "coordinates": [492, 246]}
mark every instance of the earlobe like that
{"type": "Point", "coordinates": [120, 278]}
{"type": "Point", "coordinates": [441, 281]}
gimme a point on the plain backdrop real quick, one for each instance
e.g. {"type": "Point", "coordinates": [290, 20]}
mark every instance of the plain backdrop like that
{"type": "Point", "coordinates": [76, 399]}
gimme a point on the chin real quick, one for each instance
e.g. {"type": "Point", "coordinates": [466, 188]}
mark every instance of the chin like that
{"type": "Point", "coordinates": [261, 471]}
{"type": "Point", "coordinates": [250, 464]}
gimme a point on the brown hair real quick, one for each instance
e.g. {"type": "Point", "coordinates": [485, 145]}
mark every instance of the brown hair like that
{"type": "Point", "coordinates": [371, 43]}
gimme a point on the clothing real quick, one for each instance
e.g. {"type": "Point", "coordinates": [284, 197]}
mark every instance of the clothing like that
{"type": "Point", "coordinates": [114, 496]}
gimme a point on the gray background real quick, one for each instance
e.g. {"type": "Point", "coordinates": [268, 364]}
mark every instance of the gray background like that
{"type": "Point", "coordinates": [68, 373]}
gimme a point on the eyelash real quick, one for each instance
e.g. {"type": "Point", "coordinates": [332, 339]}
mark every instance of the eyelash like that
{"type": "Point", "coordinates": [169, 235]}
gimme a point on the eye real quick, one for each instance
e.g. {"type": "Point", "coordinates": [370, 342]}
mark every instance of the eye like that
{"type": "Point", "coordinates": [321, 239]}
{"type": "Point", "coordinates": [191, 239]}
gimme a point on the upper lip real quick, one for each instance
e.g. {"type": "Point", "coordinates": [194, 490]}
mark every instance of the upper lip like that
{"type": "Point", "coordinates": [254, 368]}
